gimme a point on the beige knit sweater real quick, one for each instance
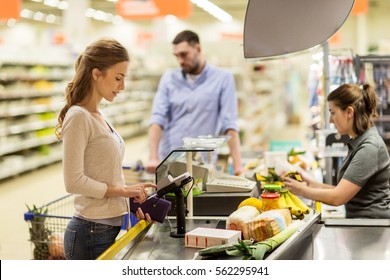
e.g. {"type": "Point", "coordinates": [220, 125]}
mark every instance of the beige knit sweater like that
{"type": "Point", "coordinates": [92, 160]}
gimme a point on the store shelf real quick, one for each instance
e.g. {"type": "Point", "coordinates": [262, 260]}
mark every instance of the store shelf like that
{"type": "Point", "coordinates": [28, 110]}
{"type": "Point", "coordinates": [375, 68]}
{"type": "Point", "coordinates": [15, 166]}
{"type": "Point", "coordinates": [27, 144]}
{"type": "Point", "coordinates": [263, 99]}
{"type": "Point", "coordinates": [27, 127]}
{"type": "Point", "coordinates": [29, 93]}
{"type": "Point", "coordinates": [31, 96]}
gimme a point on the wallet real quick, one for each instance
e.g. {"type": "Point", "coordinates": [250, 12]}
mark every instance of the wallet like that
{"type": "Point", "coordinates": [157, 208]}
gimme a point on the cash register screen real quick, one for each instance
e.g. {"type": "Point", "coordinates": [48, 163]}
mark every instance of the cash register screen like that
{"type": "Point", "coordinates": [178, 155]}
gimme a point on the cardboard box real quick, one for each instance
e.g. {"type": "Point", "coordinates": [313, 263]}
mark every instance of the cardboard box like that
{"type": "Point", "coordinates": [206, 237]}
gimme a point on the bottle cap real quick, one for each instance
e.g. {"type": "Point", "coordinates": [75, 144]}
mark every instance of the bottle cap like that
{"type": "Point", "coordinates": [272, 187]}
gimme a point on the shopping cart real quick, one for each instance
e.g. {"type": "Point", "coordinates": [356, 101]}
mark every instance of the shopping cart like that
{"type": "Point", "coordinates": [47, 225]}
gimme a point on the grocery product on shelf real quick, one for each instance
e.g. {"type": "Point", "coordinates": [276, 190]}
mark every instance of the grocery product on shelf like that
{"type": "Point", "coordinates": [31, 95]}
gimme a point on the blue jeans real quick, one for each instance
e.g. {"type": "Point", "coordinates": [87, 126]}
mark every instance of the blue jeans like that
{"type": "Point", "coordinates": [85, 240]}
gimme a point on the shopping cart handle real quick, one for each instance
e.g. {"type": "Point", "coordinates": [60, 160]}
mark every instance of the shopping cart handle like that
{"type": "Point", "coordinates": [28, 216]}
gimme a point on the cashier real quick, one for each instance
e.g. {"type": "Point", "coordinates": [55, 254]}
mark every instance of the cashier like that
{"type": "Point", "coordinates": [364, 177]}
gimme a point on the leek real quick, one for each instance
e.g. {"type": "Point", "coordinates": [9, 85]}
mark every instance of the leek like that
{"type": "Point", "coordinates": [259, 249]}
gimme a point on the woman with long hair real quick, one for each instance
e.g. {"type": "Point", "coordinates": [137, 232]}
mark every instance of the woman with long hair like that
{"type": "Point", "coordinates": [93, 152]}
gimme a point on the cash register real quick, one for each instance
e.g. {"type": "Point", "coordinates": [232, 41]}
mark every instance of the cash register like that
{"type": "Point", "coordinates": [220, 195]}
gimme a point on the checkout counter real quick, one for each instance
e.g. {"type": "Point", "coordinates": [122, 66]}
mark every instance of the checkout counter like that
{"type": "Point", "coordinates": [316, 239]}
{"type": "Point", "coordinates": [319, 237]}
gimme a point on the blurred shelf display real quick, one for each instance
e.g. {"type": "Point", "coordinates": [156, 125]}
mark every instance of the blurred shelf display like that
{"type": "Point", "coordinates": [31, 95]}
{"type": "Point", "coordinates": [263, 103]}
{"type": "Point", "coordinates": [375, 69]}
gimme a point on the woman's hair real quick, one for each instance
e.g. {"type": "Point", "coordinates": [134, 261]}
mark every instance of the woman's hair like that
{"type": "Point", "coordinates": [362, 98]}
{"type": "Point", "coordinates": [101, 55]}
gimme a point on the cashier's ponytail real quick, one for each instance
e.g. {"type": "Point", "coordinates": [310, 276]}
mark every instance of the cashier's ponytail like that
{"type": "Point", "coordinates": [362, 98]}
{"type": "Point", "coordinates": [101, 55]}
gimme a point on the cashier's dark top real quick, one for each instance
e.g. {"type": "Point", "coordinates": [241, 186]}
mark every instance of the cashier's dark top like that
{"type": "Point", "coordinates": [368, 166]}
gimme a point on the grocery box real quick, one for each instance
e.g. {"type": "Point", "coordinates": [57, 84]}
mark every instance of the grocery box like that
{"type": "Point", "coordinates": [206, 237]}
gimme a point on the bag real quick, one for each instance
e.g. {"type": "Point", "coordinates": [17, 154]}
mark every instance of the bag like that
{"type": "Point", "coordinates": [157, 208]}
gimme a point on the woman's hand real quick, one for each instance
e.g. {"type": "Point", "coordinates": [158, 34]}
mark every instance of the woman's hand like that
{"type": "Point", "coordinates": [138, 191]}
{"type": "Point", "coordinates": [143, 216]}
{"type": "Point", "coordinates": [306, 177]}
{"type": "Point", "coordinates": [295, 186]}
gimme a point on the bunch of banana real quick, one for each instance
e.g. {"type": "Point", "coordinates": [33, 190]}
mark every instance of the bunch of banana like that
{"type": "Point", "coordinates": [294, 175]}
{"type": "Point", "coordinates": [297, 207]}
{"type": "Point", "coordinates": [271, 178]}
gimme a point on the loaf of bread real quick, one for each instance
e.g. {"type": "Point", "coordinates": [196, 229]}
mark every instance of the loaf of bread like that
{"type": "Point", "coordinates": [266, 224]}
{"type": "Point", "coordinates": [238, 218]}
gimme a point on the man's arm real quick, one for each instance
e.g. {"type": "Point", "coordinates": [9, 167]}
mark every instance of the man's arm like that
{"type": "Point", "coordinates": [158, 120]}
{"type": "Point", "coordinates": [154, 136]}
{"type": "Point", "coordinates": [229, 115]}
{"type": "Point", "coordinates": [234, 146]}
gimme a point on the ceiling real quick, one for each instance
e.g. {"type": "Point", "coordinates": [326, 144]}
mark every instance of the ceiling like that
{"type": "Point", "coordinates": [236, 8]}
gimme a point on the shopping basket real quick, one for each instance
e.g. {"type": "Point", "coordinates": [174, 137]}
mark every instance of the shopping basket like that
{"type": "Point", "coordinates": [47, 225]}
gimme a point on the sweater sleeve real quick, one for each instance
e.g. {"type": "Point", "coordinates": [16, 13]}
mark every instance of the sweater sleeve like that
{"type": "Point", "coordinates": [76, 131]}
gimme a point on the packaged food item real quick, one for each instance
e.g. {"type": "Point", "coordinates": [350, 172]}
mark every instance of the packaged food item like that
{"type": "Point", "coordinates": [282, 216]}
{"type": "Point", "coordinates": [260, 229]}
{"type": "Point", "coordinates": [270, 200]}
{"type": "Point", "coordinates": [267, 224]}
{"type": "Point", "coordinates": [237, 219]}
{"type": "Point", "coordinates": [201, 237]}
{"type": "Point", "coordinates": [56, 246]}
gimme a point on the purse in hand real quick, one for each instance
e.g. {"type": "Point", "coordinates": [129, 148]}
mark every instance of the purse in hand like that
{"type": "Point", "coordinates": [157, 208]}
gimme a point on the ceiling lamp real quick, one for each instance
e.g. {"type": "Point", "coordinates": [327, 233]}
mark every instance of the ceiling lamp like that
{"type": "Point", "coordinates": [213, 10]}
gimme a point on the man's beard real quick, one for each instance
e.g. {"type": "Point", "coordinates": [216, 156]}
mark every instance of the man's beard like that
{"type": "Point", "coordinates": [193, 70]}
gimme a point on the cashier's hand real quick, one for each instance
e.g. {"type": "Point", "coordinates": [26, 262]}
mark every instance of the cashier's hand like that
{"type": "Point", "coordinates": [239, 170]}
{"type": "Point", "coordinates": [138, 191]}
{"type": "Point", "coordinates": [294, 186]}
{"type": "Point", "coordinates": [143, 216]}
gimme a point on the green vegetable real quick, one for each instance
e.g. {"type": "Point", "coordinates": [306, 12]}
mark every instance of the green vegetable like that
{"type": "Point", "coordinates": [241, 248]}
{"type": "Point", "coordinates": [220, 250]}
{"type": "Point", "coordinates": [261, 248]}
{"type": "Point", "coordinates": [293, 152]}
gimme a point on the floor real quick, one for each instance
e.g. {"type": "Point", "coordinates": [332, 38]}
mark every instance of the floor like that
{"type": "Point", "coordinates": [38, 187]}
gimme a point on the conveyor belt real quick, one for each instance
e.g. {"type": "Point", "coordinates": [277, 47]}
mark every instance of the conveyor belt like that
{"type": "Point", "coordinates": [334, 239]}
